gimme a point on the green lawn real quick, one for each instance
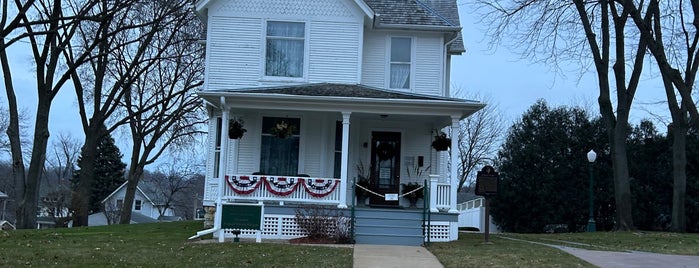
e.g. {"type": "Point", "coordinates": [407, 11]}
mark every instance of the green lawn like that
{"type": "Point", "coordinates": [665, 243]}
{"type": "Point", "coordinates": [153, 245]}
{"type": "Point", "coordinates": [470, 251]}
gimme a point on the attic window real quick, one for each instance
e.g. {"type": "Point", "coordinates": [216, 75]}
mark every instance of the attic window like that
{"type": "Point", "coordinates": [400, 62]}
{"type": "Point", "coordinates": [285, 49]}
{"type": "Point", "coordinates": [138, 204]}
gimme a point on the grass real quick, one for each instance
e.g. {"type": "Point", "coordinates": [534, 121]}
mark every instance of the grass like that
{"type": "Point", "coordinates": [470, 251]}
{"type": "Point", "coordinates": [657, 242]}
{"type": "Point", "coordinates": [153, 245]}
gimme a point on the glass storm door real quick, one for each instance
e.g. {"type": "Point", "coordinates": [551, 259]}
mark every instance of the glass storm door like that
{"type": "Point", "coordinates": [385, 167]}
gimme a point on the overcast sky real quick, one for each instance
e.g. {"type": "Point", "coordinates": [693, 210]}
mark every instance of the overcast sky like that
{"type": "Point", "coordinates": [513, 84]}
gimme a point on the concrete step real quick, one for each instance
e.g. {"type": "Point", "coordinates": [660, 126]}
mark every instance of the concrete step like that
{"type": "Point", "coordinates": [403, 240]}
{"type": "Point", "coordinates": [392, 230]}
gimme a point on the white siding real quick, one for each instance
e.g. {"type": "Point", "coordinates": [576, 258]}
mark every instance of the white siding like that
{"type": "Point", "coordinates": [334, 52]}
{"type": "Point", "coordinates": [374, 62]}
{"type": "Point", "coordinates": [429, 64]}
{"type": "Point", "coordinates": [209, 191]}
{"type": "Point", "coordinates": [312, 137]}
{"type": "Point", "coordinates": [428, 61]}
{"type": "Point", "coordinates": [236, 40]}
{"type": "Point", "coordinates": [249, 146]}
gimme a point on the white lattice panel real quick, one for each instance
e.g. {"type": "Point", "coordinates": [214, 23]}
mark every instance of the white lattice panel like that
{"type": "Point", "coordinates": [439, 232]}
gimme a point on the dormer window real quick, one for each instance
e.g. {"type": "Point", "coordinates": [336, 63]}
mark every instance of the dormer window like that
{"type": "Point", "coordinates": [285, 49]}
{"type": "Point", "coordinates": [400, 62]}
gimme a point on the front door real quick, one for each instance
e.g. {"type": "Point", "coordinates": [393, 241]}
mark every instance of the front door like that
{"type": "Point", "coordinates": [385, 167]}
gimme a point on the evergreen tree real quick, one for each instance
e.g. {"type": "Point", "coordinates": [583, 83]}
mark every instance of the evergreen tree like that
{"type": "Point", "coordinates": [544, 171]}
{"type": "Point", "coordinates": [109, 172]}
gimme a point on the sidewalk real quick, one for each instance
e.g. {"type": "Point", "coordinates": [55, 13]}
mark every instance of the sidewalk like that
{"type": "Point", "coordinates": [616, 259]}
{"type": "Point", "coordinates": [387, 256]}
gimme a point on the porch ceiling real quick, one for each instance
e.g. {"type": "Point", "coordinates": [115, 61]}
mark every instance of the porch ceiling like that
{"type": "Point", "coordinates": [357, 99]}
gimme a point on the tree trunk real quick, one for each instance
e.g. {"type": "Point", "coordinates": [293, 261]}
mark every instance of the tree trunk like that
{"type": "Point", "coordinates": [18, 171]}
{"type": "Point", "coordinates": [83, 191]}
{"type": "Point", "coordinates": [679, 173]}
{"type": "Point", "coordinates": [622, 189]}
{"type": "Point", "coordinates": [134, 176]}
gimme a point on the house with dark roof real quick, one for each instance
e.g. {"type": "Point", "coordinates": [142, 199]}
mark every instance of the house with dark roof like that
{"type": "Point", "coordinates": [146, 207]}
{"type": "Point", "coordinates": [335, 103]}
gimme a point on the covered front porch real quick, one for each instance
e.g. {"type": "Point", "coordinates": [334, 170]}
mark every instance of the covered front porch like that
{"type": "Point", "coordinates": [313, 144]}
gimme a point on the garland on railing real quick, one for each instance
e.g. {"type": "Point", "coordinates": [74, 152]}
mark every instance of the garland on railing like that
{"type": "Point", "coordinates": [281, 185]}
{"type": "Point", "coordinates": [244, 184]}
{"type": "Point", "coordinates": [318, 187]}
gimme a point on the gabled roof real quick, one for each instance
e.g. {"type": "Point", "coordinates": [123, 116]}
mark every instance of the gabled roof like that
{"type": "Point", "coordinates": [124, 185]}
{"type": "Point", "coordinates": [435, 13]}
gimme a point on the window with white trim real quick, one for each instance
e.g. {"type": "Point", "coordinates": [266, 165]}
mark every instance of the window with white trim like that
{"type": "Point", "coordinates": [279, 154]}
{"type": "Point", "coordinates": [285, 42]}
{"type": "Point", "coordinates": [138, 204]}
{"type": "Point", "coordinates": [400, 62]}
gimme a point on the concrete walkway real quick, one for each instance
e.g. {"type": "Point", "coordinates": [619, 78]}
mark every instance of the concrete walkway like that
{"type": "Point", "coordinates": [386, 256]}
{"type": "Point", "coordinates": [616, 259]}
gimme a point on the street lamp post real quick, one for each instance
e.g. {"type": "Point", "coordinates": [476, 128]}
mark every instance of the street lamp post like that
{"type": "Point", "coordinates": [591, 226]}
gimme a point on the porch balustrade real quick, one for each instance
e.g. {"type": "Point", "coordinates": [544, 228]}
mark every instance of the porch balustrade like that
{"type": "Point", "coordinates": [281, 189]}
{"type": "Point", "coordinates": [440, 194]}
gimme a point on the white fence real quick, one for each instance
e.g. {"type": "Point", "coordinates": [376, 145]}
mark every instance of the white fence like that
{"type": "Point", "coordinates": [472, 214]}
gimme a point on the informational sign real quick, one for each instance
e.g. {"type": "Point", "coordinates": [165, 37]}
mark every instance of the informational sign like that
{"type": "Point", "coordinates": [241, 216]}
{"type": "Point", "coordinates": [487, 181]}
{"type": "Point", "coordinates": [391, 197]}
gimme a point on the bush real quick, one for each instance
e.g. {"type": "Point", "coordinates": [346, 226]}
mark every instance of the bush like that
{"type": "Point", "coordinates": [324, 223]}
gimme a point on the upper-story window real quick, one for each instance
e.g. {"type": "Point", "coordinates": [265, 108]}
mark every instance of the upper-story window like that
{"type": "Point", "coordinates": [285, 49]}
{"type": "Point", "coordinates": [401, 48]}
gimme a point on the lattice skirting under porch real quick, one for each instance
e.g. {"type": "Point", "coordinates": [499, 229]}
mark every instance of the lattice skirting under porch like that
{"type": "Point", "coordinates": [285, 227]}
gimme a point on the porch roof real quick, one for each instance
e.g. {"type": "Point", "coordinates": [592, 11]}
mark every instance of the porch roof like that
{"type": "Point", "coordinates": [342, 98]}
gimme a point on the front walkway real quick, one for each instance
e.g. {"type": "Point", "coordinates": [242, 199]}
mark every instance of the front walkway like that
{"type": "Point", "coordinates": [386, 256]}
{"type": "Point", "coordinates": [616, 259]}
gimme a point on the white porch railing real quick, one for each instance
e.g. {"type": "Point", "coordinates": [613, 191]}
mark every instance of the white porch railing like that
{"type": "Point", "coordinates": [440, 194]}
{"type": "Point", "coordinates": [281, 189]}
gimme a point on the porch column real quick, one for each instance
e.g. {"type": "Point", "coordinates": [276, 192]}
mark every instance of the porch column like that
{"type": "Point", "coordinates": [345, 158]}
{"type": "Point", "coordinates": [222, 168]}
{"type": "Point", "coordinates": [454, 163]}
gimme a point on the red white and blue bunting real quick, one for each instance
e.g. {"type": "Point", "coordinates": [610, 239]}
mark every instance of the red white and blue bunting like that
{"type": "Point", "coordinates": [282, 186]}
{"type": "Point", "coordinates": [243, 184]}
{"type": "Point", "coordinates": [320, 187]}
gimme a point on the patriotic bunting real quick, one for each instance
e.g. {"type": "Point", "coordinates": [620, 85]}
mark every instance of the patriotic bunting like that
{"type": "Point", "coordinates": [281, 185]}
{"type": "Point", "coordinates": [243, 184]}
{"type": "Point", "coordinates": [320, 187]}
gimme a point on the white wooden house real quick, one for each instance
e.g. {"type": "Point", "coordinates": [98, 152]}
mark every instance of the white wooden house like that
{"type": "Point", "coordinates": [323, 87]}
{"type": "Point", "coordinates": [144, 209]}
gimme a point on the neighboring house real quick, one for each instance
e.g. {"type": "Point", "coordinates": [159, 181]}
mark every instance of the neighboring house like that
{"type": "Point", "coordinates": [323, 87]}
{"type": "Point", "coordinates": [144, 209]}
{"type": "Point", "coordinates": [3, 204]}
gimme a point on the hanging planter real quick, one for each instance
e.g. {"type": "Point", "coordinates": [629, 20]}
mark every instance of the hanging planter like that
{"type": "Point", "coordinates": [235, 129]}
{"type": "Point", "coordinates": [283, 130]}
{"type": "Point", "coordinates": [441, 142]}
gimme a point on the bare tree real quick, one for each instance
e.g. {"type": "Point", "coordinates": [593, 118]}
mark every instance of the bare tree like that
{"type": "Point", "coordinates": [165, 186]}
{"type": "Point", "coordinates": [582, 32]}
{"type": "Point", "coordinates": [161, 105]}
{"type": "Point", "coordinates": [48, 28]}
{"type": "Point", "coordinates": [129, 45]}
{"type": "Point", "coordinates": [479, 137]}
{"type": "Point", "coordinates": [64, 156]}
{"type": "Point", "coordinates": [670, 29]}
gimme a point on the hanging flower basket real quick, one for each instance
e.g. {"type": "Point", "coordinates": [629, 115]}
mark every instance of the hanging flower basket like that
{"type": "Point", "coordinates": [235, 129]}
{"type": "Point", "coordinates": [283, 130]}
{"type": "Point", "coordinates": [441, 142]}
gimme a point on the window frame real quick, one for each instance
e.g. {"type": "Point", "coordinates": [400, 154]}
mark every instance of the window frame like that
{"type": "Point", "coordinates": [300, 136]}
{"type": "Point", "coordinates": [390, 62]}
{"type": "Point", "coordinates": [217, 147]}
{"type": "Point", "coordinates": [138, 205]}
{"type": "Point", "coordinates": [263, 58]}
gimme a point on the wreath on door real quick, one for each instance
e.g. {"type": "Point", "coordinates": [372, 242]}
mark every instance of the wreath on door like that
{"type": "Point", "coordinates": [385, 151]}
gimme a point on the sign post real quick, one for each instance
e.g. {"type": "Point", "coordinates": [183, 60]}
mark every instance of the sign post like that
{"type": "Point", "coordinates": [487, 186]}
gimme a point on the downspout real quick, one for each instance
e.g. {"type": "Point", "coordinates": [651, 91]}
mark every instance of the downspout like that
{"type": "Point", "coordinates": [447, 65]}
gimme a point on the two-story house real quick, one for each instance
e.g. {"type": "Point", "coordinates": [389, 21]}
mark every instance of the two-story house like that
{"type": "Point", "coordinates": [322, 88]}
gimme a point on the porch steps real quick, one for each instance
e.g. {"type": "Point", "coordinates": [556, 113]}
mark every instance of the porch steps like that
{"type": "Point", "coordinates": [388, 227]}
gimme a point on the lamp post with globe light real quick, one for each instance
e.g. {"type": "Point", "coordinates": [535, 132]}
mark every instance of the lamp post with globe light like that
{"type": "Point", "coordinates": [591, 156]}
